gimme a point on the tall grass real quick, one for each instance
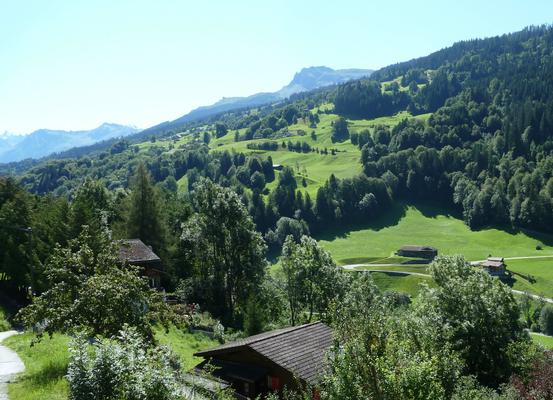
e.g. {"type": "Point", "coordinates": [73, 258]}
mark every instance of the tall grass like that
{"type": "Point", "coordinates": [45, 368]}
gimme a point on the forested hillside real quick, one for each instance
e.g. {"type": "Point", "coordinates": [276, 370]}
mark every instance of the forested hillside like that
{"type": "Point", "coordinates": [486, 148]}
{"type": "Point", "coordinates": [229, 203]}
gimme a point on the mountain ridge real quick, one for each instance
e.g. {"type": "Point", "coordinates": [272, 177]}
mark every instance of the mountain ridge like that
{"type": "Point", "coordinates": [308, 78]}
{"type": "Point", "coordinates": [44, 142]}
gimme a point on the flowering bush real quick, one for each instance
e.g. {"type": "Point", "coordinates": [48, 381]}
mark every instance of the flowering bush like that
{"type": "Point", "coordinates": [122, 368]}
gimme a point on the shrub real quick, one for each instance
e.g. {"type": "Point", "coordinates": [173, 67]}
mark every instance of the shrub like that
{"type": "Point", "coordinates": [546, 320]}
{"type": "Point", "coordinates": [122, 368]}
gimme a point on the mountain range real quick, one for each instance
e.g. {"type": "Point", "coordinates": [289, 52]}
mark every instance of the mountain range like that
{"type": "Point", "coordinates": [43, 142]}
{"type": "Point", "coordinates": [307, 79]}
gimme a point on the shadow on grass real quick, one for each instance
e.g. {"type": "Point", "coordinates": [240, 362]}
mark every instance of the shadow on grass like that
{"type": "Point", "coordinates": [389, 218]}
{"type": "Point", "coordinates": [51, 372]}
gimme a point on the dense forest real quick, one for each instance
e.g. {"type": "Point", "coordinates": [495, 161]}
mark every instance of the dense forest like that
{"type": "Point", "coordinates": [486, 150]}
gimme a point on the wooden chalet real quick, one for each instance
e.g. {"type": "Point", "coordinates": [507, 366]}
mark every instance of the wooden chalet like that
{"type": "Point", "coordinates": [494, 266]}
{"type": "Point", "coordinates": [270, 361]}
{"type": "Point", "coordinates": [426, 252]}
{"type": "Point", "coordinates": [135, 252]}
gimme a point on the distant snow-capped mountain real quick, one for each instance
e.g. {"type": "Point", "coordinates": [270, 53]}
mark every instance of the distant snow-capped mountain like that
{"type": "Point", "coordinates": [44, 142]}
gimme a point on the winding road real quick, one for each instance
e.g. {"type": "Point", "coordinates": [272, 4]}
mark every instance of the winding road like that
{"type": "Point", "coordinates": [10, 364]}
{"type": "Point", "coordinates": [353, 267]}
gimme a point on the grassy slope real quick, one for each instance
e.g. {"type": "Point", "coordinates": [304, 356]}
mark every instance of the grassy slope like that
{"type": "Point", "coordinates": [545, 341]}
{"type": "Point", "coordinates": [46, 362]}
{"type": "Point", "coordinates": [316, 168]}
{"type": "Point", "coordinates": [405, 284]}
{"type": "Point", "coordinates": [46, 366]}
{"type": "Point", "coordinates": [427, 226]}
{"type": "Point", "coordinates": [540, 269]}
{"type": "Point", "coordinates": [185, 344]}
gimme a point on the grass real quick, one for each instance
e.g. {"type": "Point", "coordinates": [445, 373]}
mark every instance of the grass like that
{"type": "Point", "coordinates": [46, 362]}
{"type": "Point", "coordinates": [545, 341]}
{"type": "Point", "coordinates": [400, 283]}
{"type": "Point", "coordinates": [45, 368]}
{"type": "Point", "coordinates": [541, 280]}
{"type": "Point", "coordinates": [316, 168]}
{"type": "Point", "coordinates": [408, 224]}
{"type": "Point", "coordinates": [184, 344]}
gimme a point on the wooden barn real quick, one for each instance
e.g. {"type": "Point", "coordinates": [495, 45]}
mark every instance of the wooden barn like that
{"type": "Point", "coordinates": [426, 252]}
{"type": "Point", "coordinates": [267, 362]}
{"type": "Point", "coordinates": [135, 252]}
{"type": "Point", "coordinates": [494, 266]}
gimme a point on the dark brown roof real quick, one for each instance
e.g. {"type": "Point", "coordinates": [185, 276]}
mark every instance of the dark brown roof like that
{"type": "Point", "coordinates": [417, 248]}
{"type": "Point", "coordinates": [298, 349]}
{"type": "Point", "coordinates": [134, 251]}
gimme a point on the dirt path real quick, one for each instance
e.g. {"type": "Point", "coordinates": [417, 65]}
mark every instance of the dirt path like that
{"type": "Point", "coordinates": [10, 364]}
{"type": "Point", "coordinates": [353, 267]}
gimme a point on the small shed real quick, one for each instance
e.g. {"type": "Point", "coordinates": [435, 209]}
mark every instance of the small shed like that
{"type": "Point", "coordinates": [278, 167]}
{"type": "Point", "coordinates": [268, 362]}
{"type": "Point", "coordinates": [494, 266]}
{"type": "Point", "coordinates": [135, 252]}
{"type": "Point", "coordinates": [426, 252]}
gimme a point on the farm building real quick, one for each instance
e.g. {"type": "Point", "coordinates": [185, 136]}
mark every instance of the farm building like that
{"type": "Point", "coordinates": [494, 266]}
{"type": "Point", "coordinates": [135, 252]}
{"type": "Point", "coordinates": [270, 361]}
{"type": "Point", "coordinates": [426, 252]}
{"type": "Point", "coordinates": [278, 167]}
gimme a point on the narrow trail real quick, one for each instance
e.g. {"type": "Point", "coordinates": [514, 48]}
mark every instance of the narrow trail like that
{"type": "Point", "coordinates": [10, 364]}
{"type": "Point", "coordinates": [353, 267]}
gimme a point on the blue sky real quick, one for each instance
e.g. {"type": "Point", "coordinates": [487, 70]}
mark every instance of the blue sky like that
{"type": "Point", "coordinates": [75, 64]}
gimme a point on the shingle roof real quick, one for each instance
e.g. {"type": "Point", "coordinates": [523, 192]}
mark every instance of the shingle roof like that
{"type": "Point", "coordinates": [299, 349]}
{"type": "Point", "coordinates": [410, 247]}
{"type": "Point", "coordinates": [493, 264]}
{"type": "Point", "coordinates": [135, 251]}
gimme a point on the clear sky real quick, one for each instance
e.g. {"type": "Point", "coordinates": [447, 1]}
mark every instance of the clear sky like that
{"type": "Point", "coordinates": [74, 64]}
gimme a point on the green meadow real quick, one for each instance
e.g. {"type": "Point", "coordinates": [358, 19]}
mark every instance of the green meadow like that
{"type": "Point", "coordinates": [533, 275]}
{"type": "Point", "coordinates": [409, 224]}
{"type": "Point", "coordinates": [545, 341]}
{"type": "Point", "coordinates": [315, 168]}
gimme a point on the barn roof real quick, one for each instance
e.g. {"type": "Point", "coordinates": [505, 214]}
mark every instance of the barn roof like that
{"type": "Point", "coordinates": [299, 349]}
{"type": "Point", "coordinates": [493, 264]}
{"type": "Point", "coordinates": [134, 251]}
{"type": "Point", "coordinates": [411, 247]}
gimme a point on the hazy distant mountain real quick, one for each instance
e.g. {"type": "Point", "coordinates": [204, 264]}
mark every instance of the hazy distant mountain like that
{"type": "Point", "coordinates": [45, 141]}
{"type": "Point", "coordinates": [305, 80]}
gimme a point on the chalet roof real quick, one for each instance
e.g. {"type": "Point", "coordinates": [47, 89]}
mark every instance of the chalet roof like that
{"type": "Point", "coordinates": [411, 247]}
{"type": "Point", "coordinates": [493, 264]}
{"type": "Point", "coordinates": [134, 251]}
{"type": "Point", "coordinates": [496, 259]}
{"type": "Point", "coordinates": [298, 349]}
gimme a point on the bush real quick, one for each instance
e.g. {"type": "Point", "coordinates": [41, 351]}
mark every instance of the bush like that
{"type": "Point", "coordinates": [546, 320]}
{"type": "Point", "coordinates": [122, 368]}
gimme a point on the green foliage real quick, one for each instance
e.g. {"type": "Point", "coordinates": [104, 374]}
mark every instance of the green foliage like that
{"type": "Point", "coordinates": [481, 315]}
{"type": "Point", "coordinates": [124, 368]}
{"type": "Point", "coordinates": [222, 251]}
{"type": "Point", "coordinates": [546, 320]}
{"type": "Point", "coordinates": [45, 367]}
{"type": "Point", "coordinates": [340, 130]}
{"type": "Point", "coordinates": [90, 290]}
{"type": "Point", "coordinates": [145, 220]}
{"type": "Point", "coordinates": [385, 353]}
{"type": "Point", "coordinates": [311, 278]}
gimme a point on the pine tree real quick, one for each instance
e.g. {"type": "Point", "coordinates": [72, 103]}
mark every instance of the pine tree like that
{"type": "Point", "coordinates": [145, 220]}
